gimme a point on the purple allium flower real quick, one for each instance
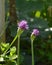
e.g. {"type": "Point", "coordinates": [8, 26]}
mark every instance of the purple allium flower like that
{"type": "Point", "coordinates": [35, 32]}
{"type": "Point", "coordinates": [23, 24]}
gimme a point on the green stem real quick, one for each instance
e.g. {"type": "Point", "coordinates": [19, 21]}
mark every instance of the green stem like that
{"type": "Point", "coordinates": [32, 52]}
{"type": "Point", "coordinates": [18, 51]}
{"type": "Point", "coordinates": [11, 44]}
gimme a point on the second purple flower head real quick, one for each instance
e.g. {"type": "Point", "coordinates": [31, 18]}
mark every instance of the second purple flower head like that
{"type": "Point", "coordinates": [35, 32]}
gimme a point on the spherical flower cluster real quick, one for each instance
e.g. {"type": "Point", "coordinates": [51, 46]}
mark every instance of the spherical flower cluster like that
{"type": "Point", "coordinates": [23, 25]}
{"type": "Point", "coordinates": [35, 32]}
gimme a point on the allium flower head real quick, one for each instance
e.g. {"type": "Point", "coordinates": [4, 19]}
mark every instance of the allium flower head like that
{"type": "Point", "coordinates": [35, 32]}
{"type": "Point", "coordinates": [23, 25]}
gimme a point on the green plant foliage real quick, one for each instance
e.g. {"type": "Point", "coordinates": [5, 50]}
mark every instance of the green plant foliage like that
{"type": "Point", "coordinates": [11, 56]}
{"type": "Point", "coordinates": [38, 13]}
{"type": "Point", "coordinates": [4, 46]}
{"type": "Point", "coordinates": [12, 51]}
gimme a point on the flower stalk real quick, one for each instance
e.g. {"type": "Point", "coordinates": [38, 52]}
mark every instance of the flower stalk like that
{"type": "Point", "coordinates": [21, 27]}
{"type": "Point", "coordinates": [33, 36]}
{"type": "Point", "coordinates": [32, 51]}
{"type": "Point", "coordinates": [18, 51]}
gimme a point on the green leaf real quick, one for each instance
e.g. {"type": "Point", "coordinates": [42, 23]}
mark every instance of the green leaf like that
{"type": "Point", "coordinates": [4, 46]}
{"type": "Point", "coordinates": [13, 57]}
{"type": "Point", "coordinates": [12, 50]}
{"type": "Point", "coordinates": [3, 49]}
{"type": "Point", "coordinates": [37, 14]}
